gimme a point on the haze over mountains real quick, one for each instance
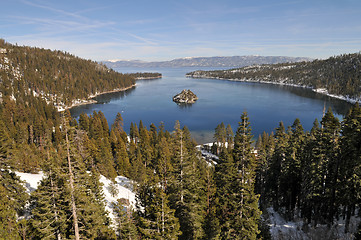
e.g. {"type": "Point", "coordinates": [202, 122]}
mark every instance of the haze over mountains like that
{"type": "Point", "coordinates": [233, 61]}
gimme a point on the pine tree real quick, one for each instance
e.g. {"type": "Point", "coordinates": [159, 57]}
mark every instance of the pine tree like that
{"type": "Point", "coordinates": [118, 123]}
{"type": "Point", "coordinates": [211, 223]}
{"type": "Point", "coordinates": [312, 177]}
{"type": "Point", "coordinates": [84, 122]}
{"type": "Point", "coordinates": [350, 169]}
{"type": "Point", "coordinates": [290, 179]}
{"type": "Point", "coordinates": [330, 144]}
{"type": "Point", "coordinates": [220, 137]}
{"type": "Point", "coordinates": [126, 227]}
{"type": "Point", "coordinates": [163, 165]}
{"type": "Point", "coordinates": [49, 216]}
{"type": "Point", "coordinates": [277, 160]}
{"type": "Point", "coordinates": [229, 136]}
{"type": "Point", "coordinates": [247, 214]}
{"type": "Point", "coordinates": [144, 145]}
{"type": "Point", "coordinates": [13, 198]}
{"type": "Point", "coordinates": [265, 148]}
{"type": "Point", "coordinates": [121, 159]}
{"type": "Point", "coordinates": [155, 220]}
{"type": "Point", "coordinates": [187, 196]}
{"type": "Point", "coordinates": [225, 174]}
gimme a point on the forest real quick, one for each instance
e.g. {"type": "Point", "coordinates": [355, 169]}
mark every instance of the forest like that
{"type": "Point", "coordinates": [145, 75]}
{"type": "Point", "coordinates": [56, 76]}
{"type": "Point", "coordinates": [339, 75]}
{"type": "Point", "coordinates": [313, 175]}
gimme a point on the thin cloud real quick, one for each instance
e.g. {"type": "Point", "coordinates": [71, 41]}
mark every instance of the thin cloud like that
{"type": "Point", "coordinates": [52, 9]}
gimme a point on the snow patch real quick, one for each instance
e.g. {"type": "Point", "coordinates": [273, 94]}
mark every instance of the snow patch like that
{"type": "Point", "coordinates": [298, 229]}
{"type": "Point", "coordinates": [32, 180]}
{"type": "Point", "coordinates": [123, 186]}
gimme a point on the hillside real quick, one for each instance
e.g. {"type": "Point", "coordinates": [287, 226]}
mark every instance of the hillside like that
{"type": "Point", "coordinates": [233, 61]}
{"type": "Point", "coordinates": [339, 75]}
{"type": "Point", "coordinates": [56, 76]}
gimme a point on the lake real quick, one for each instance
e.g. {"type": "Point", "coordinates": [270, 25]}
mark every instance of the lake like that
{"type": "Point", "coordinates": [218, 101]}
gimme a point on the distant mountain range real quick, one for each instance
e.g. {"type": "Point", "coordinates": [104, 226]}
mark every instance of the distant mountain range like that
{"type": "Point", "coordinates": [233, 61]}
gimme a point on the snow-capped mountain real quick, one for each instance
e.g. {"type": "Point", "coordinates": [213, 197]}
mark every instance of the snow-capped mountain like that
{"type": "Point", "coordinates": [219, 61]}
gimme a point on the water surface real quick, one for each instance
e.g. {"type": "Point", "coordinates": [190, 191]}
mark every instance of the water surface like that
{"type": "Point", "coordinates": [218, 101]}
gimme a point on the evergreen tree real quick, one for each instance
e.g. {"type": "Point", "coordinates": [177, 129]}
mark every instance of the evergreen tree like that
{"type": "Point", "coordinates": [126, 227]}
{"type": "Point", "coordinates": [265, 148]}
{"type": "Point", "coordinates": [225, 174]}
{"type": "Point", "coordinates": [187, 196]}
{"type": "Point", "coordinates": [122, 164]}
{"type": "Point", "coordinates": [277, 160]}
{"type": "Point", "coordinates": [49, 215]}
{"type": "Point", "coordinates": [211, 223]}
{"type": "Point", "coordinates": [84, 122]}
{"type": "Point", "coordinates": [5, 145]}
{"type": "Point", "coordinates": [163, 165]}
{"type": "Point", "coordinates": [155, 220]}
{"type": "Point", "coordinates": [246, 214]}
{"type": "Point", "coordinates": [229, 136]}
{"type": "Point", "coordinates": [312, 177]}
{"type": "Point", "coordinates": [220, 137]}
{"type": "Point", "coordinates": [330, 141]}
{"type": "Point", "coordinates": [13, 198]}
{"type": "Point", "coordinates": [290, 178]}
{"type": "Point", "coordinates": [350, 169]}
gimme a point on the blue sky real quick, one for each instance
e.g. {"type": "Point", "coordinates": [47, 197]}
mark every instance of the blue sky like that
{"type": "Point", "coordinates": [156, 30]}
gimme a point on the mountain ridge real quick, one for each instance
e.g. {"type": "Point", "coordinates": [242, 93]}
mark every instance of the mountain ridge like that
{"type": "Point", "coordinates": [216, 61]}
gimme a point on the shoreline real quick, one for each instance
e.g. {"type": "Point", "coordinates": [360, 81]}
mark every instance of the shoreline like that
{"type": "Point", "coordinates": [322, 91]}
{"type": "Point", "coordinates": [148, 78]}
{"type": "Point", "coordinates": [90, 99]}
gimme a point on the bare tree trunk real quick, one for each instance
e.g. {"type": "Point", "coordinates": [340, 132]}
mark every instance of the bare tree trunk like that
{"type": "Point", "coordinates": [71, 182]}
{"type": "Point", "coordinates": [181, 165]}
{"type": "Point", "coordinates": [242, 171]}
{"type": "Point", "coordinates": [163, 227]}
{"type": "Point", "coordinates": [58, 235]}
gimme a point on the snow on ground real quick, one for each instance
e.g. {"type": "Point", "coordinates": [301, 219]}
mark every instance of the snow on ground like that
{"type": "Point", "coordinates": [123, 186]}
{"type": "Point", "coordinates": [31, 180]}
{"type": "Point", "coordinates": [281, 229]}
{"type": "Point", "coordinates": [298, 230]}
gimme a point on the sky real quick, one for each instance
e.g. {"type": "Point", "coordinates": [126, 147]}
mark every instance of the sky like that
{"type": "Point", "coordinates": [158, 30]}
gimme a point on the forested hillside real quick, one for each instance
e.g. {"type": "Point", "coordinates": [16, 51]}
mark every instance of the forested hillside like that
{"type": "Point", "coordinates": [339, 75]}
{"type": "Point", "coordinates": [56, 76]}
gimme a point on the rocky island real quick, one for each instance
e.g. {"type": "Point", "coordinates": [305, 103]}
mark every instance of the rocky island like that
{"type": "Point", "coordinates": [186, 96]}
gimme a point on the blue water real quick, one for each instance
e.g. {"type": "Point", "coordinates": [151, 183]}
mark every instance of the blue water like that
{"type": "Point", "coordinates": [219, 101]}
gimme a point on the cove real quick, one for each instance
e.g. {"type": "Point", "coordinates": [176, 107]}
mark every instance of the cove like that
{"type": "Point", "coordinates": [218, 101]}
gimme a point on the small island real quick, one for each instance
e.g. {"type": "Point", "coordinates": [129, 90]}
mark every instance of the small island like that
{"type": "Point", "coordinates": [186, 96]}
{"type": "Point", "coordinates": [145, 75]}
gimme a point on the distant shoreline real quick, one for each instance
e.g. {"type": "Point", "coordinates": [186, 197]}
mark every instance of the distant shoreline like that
{"type": "Point", "coordinates": [148, 78]}
{"type": "Point", "coordinates": [112, 91]}
{"type": "Point", "coordinates": [317, 90]}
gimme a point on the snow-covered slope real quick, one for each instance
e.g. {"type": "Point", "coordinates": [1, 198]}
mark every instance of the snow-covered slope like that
{"type": "Point", "coordinates": [123, 186]}
{"type": "Point", "coordinates": [123, 191]}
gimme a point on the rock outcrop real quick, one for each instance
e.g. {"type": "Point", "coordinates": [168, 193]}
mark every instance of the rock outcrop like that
{"type": "Point", "coordinates": [186, 96]}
